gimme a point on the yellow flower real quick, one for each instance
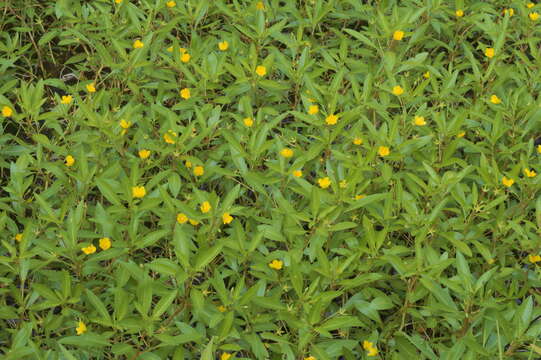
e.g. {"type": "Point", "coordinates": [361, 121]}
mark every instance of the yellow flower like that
{"type": "Point", "coordinates": [182, 50]}
{"type": "Point", "coordinates": [397, 90]}
{"type": "Point", "coordinates": [248, 122]}
{"type": "Point", "coordinates": [419, 121]}
{"type": "Point", "coordinates": [223, 45]}
{"type": "Point", "coordinates": [530, 5]}
{"type": "Point", "coordinates": [185, 93]}
{"type": "Point", "coordinates": [507, 182]}
{"type": "Point", "coordinates": [539, 149]}
{"type": "Point", "coordinates": [459, 13]}
{"type": "Point", "coordinates": [182, 218]}
{"type": "Point", "coordinates": [170, 49]}
{"type": "Point", "coordinates": [324, 182]}
{"type": "Point", "coordinates": [118, 1]}
{"type": "Point", "coordinates": [276, 264]}
{"type": "Point", "coordinates": [144, 153]}
{"type": "Point", "coordinates": [297, 173]}
{"type": "Point", "coordinates": [225, 356]}
{"type": "Point", "coordinates": [227, 218]}
{"type": "Point", "coordinates": [90, 249]}
{"type": "Point", "coordinates": [310, 358]}
{"type": "Point", "coordinates": [343, 184]}
{"type": "Point", "coordinates": [19, 237]}
{"type": "Point", "coordinates": [66, 99]}
{"type": "Point", "coordinates": [105, 243]}
{"type": "Point", "coordinates": [168, 139]}
{"type": "Point", "coordinates": [69, 161]}
{"type": "Point", "coordinates": [205, 207]}
{"type": "Point", "coordinates": [489, 52]}
{"type": "Point", "coordinates": [357, 141]}
{"type": "Point", "coordinates": [509, 12]}
{"type": "Point", "coordinates": [398, 35]}
{"type": "Point", "coordinates": [7, 111]}
{"type": "Point", "coordinates": [138, 191]}
{"type": "Point", "coordinates": [313, 109]}
{"type": "Point", "coordinates": [495, 99]}
{"type": "Point", "coordinates": [171, 4]}
{"type": "Point", "coordinates": [367, 344]}
{"type": "Point", "coordinates": [137, 44]}
{"type": "Point", "coordinates": [372, 352]}
{"type": "Point", "coordinates": [222, 308]}
{"type": "Point", "coordinates": [81, 327]}
{"type": "Point", "coordinates": [359, 197]}
{"type": "Point", "coordinates": [260, 6]}
{"type": "Point", "coordinates": [188, 164]}
{"type": "Point", "coordinates": [198, 171]}
{"type": "Point", "coordinates": [529, 173]}
{"type": "Point", "coordinates": [461, 134]}
{"type": "Point", "coordinates": [185, 57]}
{"type": "Point", "coordinates": [125, 124]}
{"type": "Point", "coordinates": [533, 16]}
{"type": "Point", "coordinates": [193, 222]}
{"type": "Point", "coordinates": [261, 70]}
{"type": "Point", "coordinates": [384, 151]}
{"type": "Point", "coordinates": [331, 119]}
{"type": "Point", "coordinates": [534, 258]}
{"type": "Point", "coordinates": [426, 75]}
{"type": "Point", "coordinates": [91, 88]}
{"type": "Point", "coordinates": [286, 152]}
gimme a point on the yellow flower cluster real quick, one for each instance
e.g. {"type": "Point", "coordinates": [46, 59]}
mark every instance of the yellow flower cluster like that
{"type": "Point", "coordinates": [69, 160]}
{"type": "Point", "coordinates": [138, 192]}
{"type": "Point", "coordinates": [248, 122]}
{"type": "Point", "coordinates": [419, 121]}
{"type": "Point", "coordinates": [223, 45]}
{"type": "Point", "coordinates": [7, 111]}
{"type": "Point", "coordinates": [507, 182]}
{"type": "Point", "coordinates": [198, 171]}
{"type": "Point", "coordinates": [384, 151]}
{"type": "Point", "coordinates": [81, 328]}
{"type": "Point", "coordinates": [144, 153]}
{"type": "Point", "coordinates": [286, 152]}
{"type": "Point", "coordinates": [331, 119]}
{"type": "Point", "coordinates": [182, 218]}
{"type": "Point", "coordinates": [169, 137]}
{"type": "Point", "coordinates": [261, 70]}
{"type": "Point", "coordinates": [276, 264]}
{"type": "Point", "coordinates": [398, 90]}
{"type": "Point", "coordinates": [104, 244]}
{"type": "Point", "coordinates": [205, 207]}
{"type": "Point", "coordinates": [324, 182]}
{"type": "Point", "coordinates": [370, 348]}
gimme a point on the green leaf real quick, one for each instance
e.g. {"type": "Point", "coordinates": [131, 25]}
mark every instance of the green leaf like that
{"type": "Point", "coordinates": [98, 305]}
{"type": "Point", "coordinates": [164, 303]}
{"type": "Point", "coordinates": [205, 256]}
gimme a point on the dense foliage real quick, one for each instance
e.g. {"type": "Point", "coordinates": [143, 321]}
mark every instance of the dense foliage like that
{"type": "Point", "coordinates": [234, 179]}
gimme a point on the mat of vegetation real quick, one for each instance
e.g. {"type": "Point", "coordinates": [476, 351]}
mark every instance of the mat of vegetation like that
{"type": "Point", "coordinates": [299, 180]}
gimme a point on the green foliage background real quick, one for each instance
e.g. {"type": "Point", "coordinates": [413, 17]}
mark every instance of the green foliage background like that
{"type": "Point", "coordinates": [432, 263]}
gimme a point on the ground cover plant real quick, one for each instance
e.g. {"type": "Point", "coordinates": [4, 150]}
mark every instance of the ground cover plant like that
{"type": "Point", "coordinates": [232, 179]}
